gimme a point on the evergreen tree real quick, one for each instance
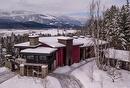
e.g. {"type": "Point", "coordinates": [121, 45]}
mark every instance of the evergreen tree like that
{"type": "Point", "coordinates": [114, 26]}
{"type": "Point", "coordinates": [125, 26]}
{"type": "Point", "coordinates": [112, 29]}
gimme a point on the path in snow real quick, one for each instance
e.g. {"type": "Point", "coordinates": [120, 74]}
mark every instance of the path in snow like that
{"type": "Point", "coordinates": [5, 76]}
{"type": "Point", "coordinates": [67, 81]}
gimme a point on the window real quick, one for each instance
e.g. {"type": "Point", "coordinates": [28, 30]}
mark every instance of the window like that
{"type": "Point", "coordinates": [42, 58]}
{"type": "Point", "coordinates": [30, 57]}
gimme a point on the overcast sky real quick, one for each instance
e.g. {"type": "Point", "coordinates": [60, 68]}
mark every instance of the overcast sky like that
{"type": "Point", "coordinates": [56, 7]}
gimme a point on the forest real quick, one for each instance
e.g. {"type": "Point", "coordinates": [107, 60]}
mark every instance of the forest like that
{"type": "Point", "coordinates": [112, 25]}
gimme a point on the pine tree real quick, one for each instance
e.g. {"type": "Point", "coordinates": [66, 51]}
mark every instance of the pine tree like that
{"type": "Point", "coordinates": [112, 28]}
{"type": "Point", "coordinates": [125, 26]}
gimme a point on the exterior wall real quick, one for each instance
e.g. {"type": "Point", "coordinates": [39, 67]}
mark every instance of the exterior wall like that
{"type": "Point", "coordinates": [68, 50]}
{"type": "Point", "coordinates": [60, 57]}
{"type": "Point", "coordinates": [81, 53]}
{"type": "Point", "coordinates": [87, 52]}
{"type": "Point", "coordinates": [76, 54]}
{"type": "Point", "coordinates": [40, 59]}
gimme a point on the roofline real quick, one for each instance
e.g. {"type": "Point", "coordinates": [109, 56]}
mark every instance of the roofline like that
{"type": "Point", "coordinates": [77, 44]}
{"type": "Point", "coordinates": [52, 46]}
{"type": "Point", "coordinates": [26, 46]}
{"type": "Point", "coordinates": [28, 53]}
{"type": "Point", "coordinates": [47, 54]}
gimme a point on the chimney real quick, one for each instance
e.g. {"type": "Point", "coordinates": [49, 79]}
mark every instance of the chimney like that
{"type": "Point", "coordinates": [34, 40]}
{"type": "Point", "coordinates": [69, 44]}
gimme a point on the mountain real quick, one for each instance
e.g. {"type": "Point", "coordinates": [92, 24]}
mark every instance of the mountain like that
{"type": "Point", "coordinates": [27, 19]}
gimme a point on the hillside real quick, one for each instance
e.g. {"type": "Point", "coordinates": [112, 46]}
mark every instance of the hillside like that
{"type": "Point", "coordinates": [26, 19]}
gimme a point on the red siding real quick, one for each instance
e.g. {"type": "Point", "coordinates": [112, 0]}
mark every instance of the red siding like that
{"type": "Point", "coordinates": [60, 57]}
{"type": "Point", "coordinates": [76, 54]}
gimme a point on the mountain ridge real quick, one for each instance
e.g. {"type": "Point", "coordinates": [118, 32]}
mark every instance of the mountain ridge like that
{"type": "Point", "coordinates": [24, 19]}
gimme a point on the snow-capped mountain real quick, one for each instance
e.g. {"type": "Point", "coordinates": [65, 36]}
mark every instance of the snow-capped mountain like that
{"type": "Point", "coordinates": [27, 18]}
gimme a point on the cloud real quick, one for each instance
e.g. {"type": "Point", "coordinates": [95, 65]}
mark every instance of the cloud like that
{"type": "Point", "coordinates": [58, 7]}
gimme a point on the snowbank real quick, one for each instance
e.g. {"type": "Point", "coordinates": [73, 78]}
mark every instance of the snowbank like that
{"type": "Point", "coordinates": [53, 82]}
{"type": "Point", "coordinates": [64, 69]}
{"type": "Point", "coordinates": [75, 65]}
{"type": "Point", "coordinates": [29, 82]}
{"type": "Point", "coordinates": [3, 69]}
{"type": "Point", "coordinates": [91, 77]}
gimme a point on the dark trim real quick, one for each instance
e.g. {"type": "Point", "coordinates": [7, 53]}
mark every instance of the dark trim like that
{"type": "Point", "coordinates": [37, 54]}
{"type": "Point", "coordinates": [27, 46]}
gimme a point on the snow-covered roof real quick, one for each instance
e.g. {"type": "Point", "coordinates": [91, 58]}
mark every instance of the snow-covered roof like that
{"type": "Point", "coordinates": [53, 41]}
{"type": "Point", "coordinates": [39, 50]}
{"type": "Point", "coordinates": [87, 41]}
{"type": "Point", "coordinates": [65, 38]}
{"type": "Point", "coordinates": [75, 37]}
{"type": "Point", "coordinates": [84, 41]}
{"type": "Point", "coordinates": [25, 44]}
{"type": "Point", "coordinates": [82, 36]}
{"type": "Point", "coordinates": [117, 54]}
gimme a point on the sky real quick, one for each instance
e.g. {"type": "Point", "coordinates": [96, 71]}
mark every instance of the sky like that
{"type": "Point", "coordinates": [75, 8]}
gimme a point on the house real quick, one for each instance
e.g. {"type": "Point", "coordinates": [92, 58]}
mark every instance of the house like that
{"type": "Point", "coordinates": [118, 57]}
{"type": "Point", "coordinates": [56, 51]}
{"type": "Point", "coordinates": [87, 49]}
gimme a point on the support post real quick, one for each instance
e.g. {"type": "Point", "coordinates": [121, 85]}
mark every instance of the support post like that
{"type": "Point", "coordinates": [22, 69]}
{"type": "Point", "coordinates": [84, 55]}
{"type": "Point", "coordinates": [54, 64]}
{"type": "Point", "coordinates": [44, 71]}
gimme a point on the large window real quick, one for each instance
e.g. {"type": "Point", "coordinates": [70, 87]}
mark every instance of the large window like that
{"type": "Point", "coordinates": [42, 58]}
{"type": "Point", "coordinates": [30, 57]}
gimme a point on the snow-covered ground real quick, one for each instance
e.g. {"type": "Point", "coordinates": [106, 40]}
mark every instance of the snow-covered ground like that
{"type": "Point", "coordinates": [29, 82]}
{"type": "Point", "coordinates": [5, 32]}
{"type": "Point", "coordinates": [91, 77]}
{"type": "Point", "coordinates": [5, 74]}
{"type": "Point", "coordinates": [100, 78]}
{"type": "Point", "coordinates": [12, 81]}
{"type": "Point", "coordinates": [3, 69]}
{"type": "Point", "coordinates": [55, 31]}
{"type": "Point", "coordinates": [83, 75]}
